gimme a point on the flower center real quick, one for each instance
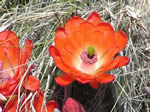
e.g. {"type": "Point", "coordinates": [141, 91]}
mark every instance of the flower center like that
{"type": "Point", "coordinates": [3, 74]}
{"type": "Point", "coordinates": [89, 56]}
{"type": "Point", "coordinates": [91, 51]}
{"type": "Point", "coordinates": [89, 59]}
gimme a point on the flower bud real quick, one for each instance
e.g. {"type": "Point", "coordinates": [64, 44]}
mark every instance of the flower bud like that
{"type": "Point", "coordinates": [72, 105]}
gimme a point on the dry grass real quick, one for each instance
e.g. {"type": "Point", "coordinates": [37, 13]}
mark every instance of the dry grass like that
{"type": "Point", "coordinates": [38, 21]}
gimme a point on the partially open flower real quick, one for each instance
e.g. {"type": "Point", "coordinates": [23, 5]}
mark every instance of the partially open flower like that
{"type": "Point", "coordinates": [29, 105]}
{"type": "Point", "coordinates": [86, 50]}
{"type": "Point", "coordinates": [13, 62]}
{"type": "Point", "coordinates": [49, 107]}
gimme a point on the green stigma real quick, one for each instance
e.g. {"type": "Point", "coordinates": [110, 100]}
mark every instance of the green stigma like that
{"type": "Point", "coordinates": [91, 51]}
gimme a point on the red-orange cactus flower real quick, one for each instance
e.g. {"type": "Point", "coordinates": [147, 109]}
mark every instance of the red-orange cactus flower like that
{"type": "Point", "coordinates": [86, 50]}
{"type": "Point", "coordinates": [25, 105]}
{"type": "Point", "coordinates": [13, 62]}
